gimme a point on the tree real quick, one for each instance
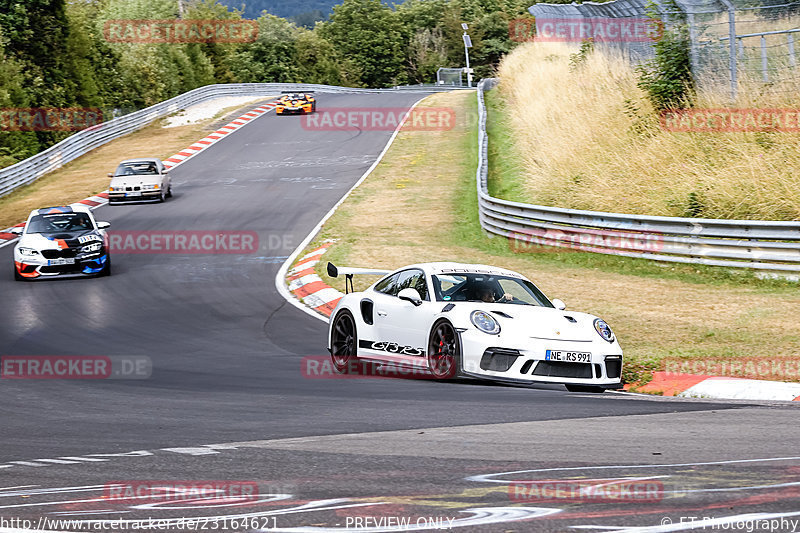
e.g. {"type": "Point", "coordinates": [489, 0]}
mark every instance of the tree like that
{"type": "Point", "coordinates": [369, 34]}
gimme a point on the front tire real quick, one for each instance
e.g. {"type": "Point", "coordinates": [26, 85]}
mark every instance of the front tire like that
{"type": "Point", "coordinates": [444, 351]}
{"type": "Point", "coordinates": [344, 342]}
{"type": "Point", "coordinates": [17, 276]}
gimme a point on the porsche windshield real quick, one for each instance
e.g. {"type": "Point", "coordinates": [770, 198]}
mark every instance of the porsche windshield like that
{"type": "Point", "coordinates": [59, 222]}
{"type": "Point", "coordinates": [144, 168]}
{"type": "Point", "coordinates": [477, 287]}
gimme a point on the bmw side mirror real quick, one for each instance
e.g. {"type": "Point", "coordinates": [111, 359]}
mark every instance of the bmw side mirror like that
{"type": "Point", "coordinates": [110, 175]}
{"type": "Point", "coordinates": [17, 230]}
{"type": "Point", "coordinates": [410, 295]}
{"type": "Point", "coordinates": [559, 304]}
{"type": "Point", "coordinates": [103, 225]}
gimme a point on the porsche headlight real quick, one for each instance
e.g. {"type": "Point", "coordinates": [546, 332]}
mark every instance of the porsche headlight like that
{"type": "Point", "coordinates": [28, 251]}
{"type": "Point", "coordinates": [485, 322]}
{"type": "Point", "coordinates": [94, 247]}
{"type": "Point", "coordinates": [603, 329]}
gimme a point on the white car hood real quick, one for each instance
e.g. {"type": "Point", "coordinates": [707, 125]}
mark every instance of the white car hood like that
{"type": "Point", "coordinates": [37, 241]}
{"type": "Point", "coordinates": [538, 322]}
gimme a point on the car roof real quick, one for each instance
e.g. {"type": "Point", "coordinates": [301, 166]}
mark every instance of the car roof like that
{"type": "Point", "coordinates": [447, 267]}
{"type": "Point", "coordinates": [61, 209]}
{"type": "Point", "coordinates": [141, 160]}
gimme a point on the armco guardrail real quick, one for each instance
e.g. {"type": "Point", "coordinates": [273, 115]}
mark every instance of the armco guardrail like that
{"type": "Point", "coordinates": [756, 244]}
{"type": "Point", "coordinates": [76, 145]}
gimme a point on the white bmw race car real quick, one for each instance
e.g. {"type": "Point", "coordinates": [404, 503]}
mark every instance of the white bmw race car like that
{"type": "Point", "coordinates": [475, 320]}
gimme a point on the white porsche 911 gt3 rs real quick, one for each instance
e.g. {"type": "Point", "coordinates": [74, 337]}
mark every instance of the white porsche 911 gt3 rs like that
{"type": "Point", "coordinates": [475, 320]}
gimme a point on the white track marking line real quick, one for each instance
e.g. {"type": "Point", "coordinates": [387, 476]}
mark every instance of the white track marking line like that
{"type": "Point", "coordinates": [487, 478]}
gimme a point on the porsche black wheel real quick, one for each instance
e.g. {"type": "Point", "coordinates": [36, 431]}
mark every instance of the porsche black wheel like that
{"type": "Point", "coordinates": [344, 342]}
{"type": "Point", "coordinates": [585, 388]}
{"type": "Point", "coordinates": [444, 351]}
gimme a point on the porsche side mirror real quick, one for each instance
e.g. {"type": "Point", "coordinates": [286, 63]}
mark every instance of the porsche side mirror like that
{"type": "Point", "coordinates": [410, 295]}
{"type": "Point", "coordinates": [17, 230]}
{"type": "Point", "coordinates": [103, 225]}
{"type": "Point", "coordinates": [559, 304]}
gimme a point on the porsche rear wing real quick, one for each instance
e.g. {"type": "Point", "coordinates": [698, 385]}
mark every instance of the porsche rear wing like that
{"type": "Point", "coordinates": [297, 92]}
{"type": "Point", "coordinates": [349, 272]}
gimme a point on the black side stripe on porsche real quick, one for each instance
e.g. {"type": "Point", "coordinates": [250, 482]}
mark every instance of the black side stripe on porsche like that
{"type": "Point", "coordinates": [391, 347]}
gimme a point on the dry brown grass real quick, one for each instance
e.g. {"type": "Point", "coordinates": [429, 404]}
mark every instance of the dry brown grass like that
{"type": "Point", "coordinates": [87, 175]}
{"type": "Point", "coordinates": [589, 139]}
{"type": "Point", "coordinates": [405, 213]}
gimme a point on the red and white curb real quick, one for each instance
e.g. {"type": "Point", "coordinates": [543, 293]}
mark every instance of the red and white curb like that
{"type": "Point", "coordinates": [721, 388]}
{"type": "Point", "coordinates": [6, 237]}
{"type": "Point", "coordinates": [308, 287]}
{"type": "Point", "coordinates": [212, 138]}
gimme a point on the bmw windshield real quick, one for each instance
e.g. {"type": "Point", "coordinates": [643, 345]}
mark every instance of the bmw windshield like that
{"type": "Point", "coordinates": [59, 222]}
{"type": "Point", "coordinates": [145, 168]}
{"type": "Point", "coordinates": [488, 288]}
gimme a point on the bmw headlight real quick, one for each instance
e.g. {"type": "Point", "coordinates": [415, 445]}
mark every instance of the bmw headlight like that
{"type": "Point", "coordinates": [117, 189]}
{"type": "Point", "coordinates": [94, 247]}
{"type": "Point", "coordinates": [28, 251]}
{"type": "Point", "coordinates": [485, 322]}
{"type": "Point", "coordinates": [149, 187]}
{"type": "Point", "coordinates": [603, 329]}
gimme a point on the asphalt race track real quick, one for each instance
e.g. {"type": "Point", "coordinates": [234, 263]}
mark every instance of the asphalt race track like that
{"type": "Point", "coordinates": [227, 399]}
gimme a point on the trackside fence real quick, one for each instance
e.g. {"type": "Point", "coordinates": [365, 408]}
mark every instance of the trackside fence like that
{"type": "Point", "coordinates": [74, 146]}
{"type": "Point", "coordinates": [764, 245]}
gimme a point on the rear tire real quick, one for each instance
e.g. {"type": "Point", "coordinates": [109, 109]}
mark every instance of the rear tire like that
{"type": "Point", "coordinates": [344, 342]}
{"type": "Point", "coordinates": [585, 388]}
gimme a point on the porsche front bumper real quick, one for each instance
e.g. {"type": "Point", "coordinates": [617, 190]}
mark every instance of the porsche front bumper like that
{"type": "Point", "coordinates": [486, 356]}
